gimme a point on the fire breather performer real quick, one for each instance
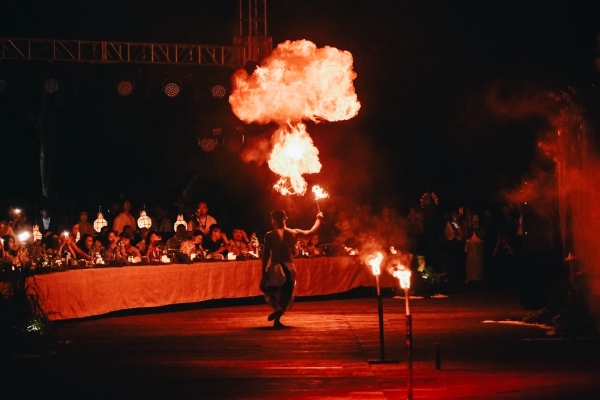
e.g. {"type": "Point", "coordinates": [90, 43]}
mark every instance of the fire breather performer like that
{"type": "Point", "coordinates": [278, 271]}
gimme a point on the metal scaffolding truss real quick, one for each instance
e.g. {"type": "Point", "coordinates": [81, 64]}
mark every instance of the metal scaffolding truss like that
{"type": "Point", "coordinates": [253, 18]}
{"type": "Point", "coordinates": [252, 29]}
{"type": "Point", "coordinates": [122, 52]}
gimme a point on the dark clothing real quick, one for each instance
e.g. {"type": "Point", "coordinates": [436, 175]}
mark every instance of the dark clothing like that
{"type": "Point", "coordinates": [211, 246]}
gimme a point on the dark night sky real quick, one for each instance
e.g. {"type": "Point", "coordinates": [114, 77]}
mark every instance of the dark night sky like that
{"type": "Point", "coordinates": [424, 68]}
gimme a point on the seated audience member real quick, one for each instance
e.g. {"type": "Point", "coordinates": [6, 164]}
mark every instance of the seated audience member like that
{"type": "Point", "coordinates": [154, 247]}
{"type": "Point", "coordinates": [63, 223]}
{"type": "Point", "coordinates": [300, 246]}
{"type": "Point", "coordinates": [84, 225]}
{"type": "Point", "coordinates": [174, 243]}
{"type": "Point", "coordinates": [2, 241]}
{"type": "Point", "coordinates": [36, 249]}
{"type": "Point", "coordinates": [141, 243]}
{"type": "Point", "coordinates": [14, 252]}
{"type": "Point", "coordinates": [74, 233]}
{"type": "Point", "coordinates": [312, 247]}
{"type": "Point", "coordinates": [51, 242]}
{"type": "Point", "coordinates": [128, 229]}
{"type": "Point", "coordinates": [111, 248]}
{"type": "Point", "coordinates": [20, 223]}
{"type": "Point", "coordinates": [98, 245]}
{"type": "Point", "coordinates": [128, 252]}
{"type": "Point", "coordinates": [192, 245]}
{"type": "Point", "coordinates": [65, 246]}
{"type": "Point", "coordinates": [198, 238]}
{"type": "Point", "coordinates": [239, 243]}
{"type": "Point", "coordinates": [6, 229]}
{"type": "Point", "coordinates": [215, 242]}
{"type": "Point", "coordinates": [83, 248]}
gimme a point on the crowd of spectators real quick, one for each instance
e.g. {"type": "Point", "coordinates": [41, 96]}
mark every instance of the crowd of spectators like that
{"type": "Point", "coordinates": [461, 245]}
{"type": "Point", "coordinates": [55, 242]}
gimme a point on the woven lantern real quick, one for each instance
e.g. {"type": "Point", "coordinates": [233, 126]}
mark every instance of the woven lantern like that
{"type": "Point", "coordinates": [144, 220]}
{"type": "Point", "coordinates": [180, 221]}
{"type": "Point", "coordinates": [100, 222]}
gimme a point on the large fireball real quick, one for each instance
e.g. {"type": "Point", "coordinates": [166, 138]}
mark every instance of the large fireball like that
{"type": "Point", "coordinates": [297, 82]}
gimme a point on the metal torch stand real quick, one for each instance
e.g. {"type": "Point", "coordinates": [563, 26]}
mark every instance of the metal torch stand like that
{"type": "Point", "coordinates": [381, 341]}
{"type": "Point", "coordinates": [409, 390]}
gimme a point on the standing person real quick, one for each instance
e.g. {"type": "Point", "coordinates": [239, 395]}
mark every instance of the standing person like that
{"type": "Point", "coordinates": [474, 251]}
{"type": "Point", "coordinates": [203, 221]}
{"type": "Point", "coordinates": [124, 218]}
{"type": "Point", "coordinates": [84, 225]}
{"type": "Point", "coordinates": [49, 226]}
{"type": "Point", "coordinates": [160, 221]}
{"type": "Point", "coordinates": [278, 251]}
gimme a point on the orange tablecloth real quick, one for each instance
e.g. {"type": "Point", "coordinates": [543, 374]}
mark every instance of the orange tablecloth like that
{"type": "Point", "coordinates": [96, 291]}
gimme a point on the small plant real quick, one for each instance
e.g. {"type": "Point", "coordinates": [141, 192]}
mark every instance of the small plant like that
{"type": "Point", "coordinates": [428, 284]}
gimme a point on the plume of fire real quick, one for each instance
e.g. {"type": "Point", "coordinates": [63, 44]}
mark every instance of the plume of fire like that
{"type": "Point", "coordinates": [297, 82]}
{"type": "Point", "coordinates": [293, 155]}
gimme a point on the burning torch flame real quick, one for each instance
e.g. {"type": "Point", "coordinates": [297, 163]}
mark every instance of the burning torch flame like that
{"type": "Point", "coordinates": [375, 261]}
{"type": "Point", "coordinates": [403, 275]}
{"type": "Point", "coordinates": [319, 192]}
{"type": "Point", "coordinates": [297, 82]}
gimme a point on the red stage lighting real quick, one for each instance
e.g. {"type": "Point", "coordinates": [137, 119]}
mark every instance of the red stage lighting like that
{"type": "Point", "coordinates": [218, 91]}
{"type": "Point", "coordinates": [125, 88]}
{"type": "Point", "coordinates": [208, 144]}
{"type": "Point", "coordinates": [171, 88]}
{"type": "Point", "coordinates": [234, 144]}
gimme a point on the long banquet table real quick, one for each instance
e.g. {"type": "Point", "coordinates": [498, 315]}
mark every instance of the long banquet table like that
{"type": "Point", "coordinates": [95, 291]}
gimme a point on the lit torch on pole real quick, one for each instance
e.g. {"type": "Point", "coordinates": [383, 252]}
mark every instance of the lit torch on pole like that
{"type": "Point", "coordinates": [375, 261]}
{"type": "Point", "coordinates": [403, 275]}
{"type": "Point", "coordinates": [319, 194]}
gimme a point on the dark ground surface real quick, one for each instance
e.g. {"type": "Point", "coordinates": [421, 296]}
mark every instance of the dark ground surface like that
{"type": "Point", "coordinates": [228, 350]}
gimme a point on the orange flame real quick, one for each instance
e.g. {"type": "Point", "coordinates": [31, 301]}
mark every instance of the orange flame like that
{"type": "Point", "coordinates": [293, 154]}
{"type": "Point", "coordinates": [298, 81]}
{"type": "Point", "coordinates": [374, 261]}
{"type": "Point", "coordinates": [319, 192]}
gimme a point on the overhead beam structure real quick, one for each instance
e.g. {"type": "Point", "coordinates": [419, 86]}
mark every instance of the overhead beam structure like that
{"type": "Point", "coordinates": [250, 44]}
{"type": "Point", "coordinates": [121, 52]}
